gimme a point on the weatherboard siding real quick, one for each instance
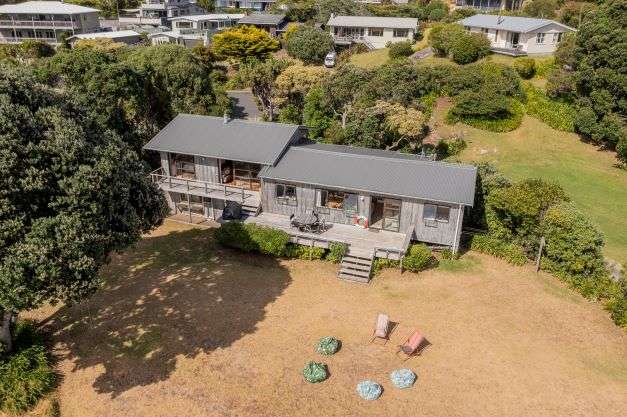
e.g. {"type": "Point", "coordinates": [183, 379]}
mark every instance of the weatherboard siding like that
{"type": "Point", "coordinates": [207, 169]}
{"type": "Point", "coordinates": [439, 233]}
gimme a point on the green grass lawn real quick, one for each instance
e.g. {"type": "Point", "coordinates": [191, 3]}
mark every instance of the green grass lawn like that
{"type": "Point", "coordinates": [588, 175]}
{"type": "Point", "coordinates": [378, 57]}
{"type": "Point", "coordinates": [370, 59]}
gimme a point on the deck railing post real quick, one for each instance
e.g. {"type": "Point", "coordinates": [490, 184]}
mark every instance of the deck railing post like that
{"type": "Point", "coordinates": [242, 195]}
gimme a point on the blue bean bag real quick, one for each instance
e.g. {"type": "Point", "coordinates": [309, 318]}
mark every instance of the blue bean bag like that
{"type": "Point", "coordinates": [369, 390]}
{"type": "Point", "coordinates": [403, 378]}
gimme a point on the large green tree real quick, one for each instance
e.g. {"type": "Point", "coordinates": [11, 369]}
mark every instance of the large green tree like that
{"type": "Point", "coordinates": [243, 42]}
{"type": "Point", "coordinates": [599, 59]}
{"type": "Point", "coordinates": [135, 91]}
{"type": "Point", "coordinates": [309, 44]}
{"type": "Point", "coordinates": [71, 193]}
{"type": "Point", "coordinates": [260, 76]}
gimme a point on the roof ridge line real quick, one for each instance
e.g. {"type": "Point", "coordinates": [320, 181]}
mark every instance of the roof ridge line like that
{"type": "Point", "coordinates": [246, 121]}
{"type": "Point", "coordinates": [451, 164]}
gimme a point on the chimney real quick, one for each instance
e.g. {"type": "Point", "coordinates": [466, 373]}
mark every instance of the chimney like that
{"type": "Point", "coordinates": [225, 118]}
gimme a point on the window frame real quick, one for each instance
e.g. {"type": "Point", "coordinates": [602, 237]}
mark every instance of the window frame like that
{"type": "Point", "coordinates": [375, 32]}
{"type": "Point", "coordinates": [345, 196]}
{"type": "Point", "coordinates": [540, 38]}
{"type": "Point", "coordinates": [436, 216]}
{"type": "Point", "coordinates": [285, 199]}
{"type": "Point", "coordinates": [396, 31]}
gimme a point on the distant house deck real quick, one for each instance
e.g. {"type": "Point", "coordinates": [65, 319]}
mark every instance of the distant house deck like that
{"type": "Point", "coordinates": [361, 242]}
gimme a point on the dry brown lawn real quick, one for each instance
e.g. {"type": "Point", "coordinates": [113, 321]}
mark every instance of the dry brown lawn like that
{"type": "Point", "coordinates": [185, 328]}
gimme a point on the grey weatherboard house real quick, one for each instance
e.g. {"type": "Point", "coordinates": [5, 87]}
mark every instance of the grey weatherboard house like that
{"type": "Point", "coordinates": [375, 201]}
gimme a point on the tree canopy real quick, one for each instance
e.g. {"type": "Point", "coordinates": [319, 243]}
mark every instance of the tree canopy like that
{"type": "Point", "coordinates": [309, 44]}
{"type": "Point", "coordinates": [244, 42]}
{"type": "Point", "coordinates": [135, 91]}
{"type": "Point", "coordinates": [599, 58]}
{"type": "Point", "coordinates": [71, 192]}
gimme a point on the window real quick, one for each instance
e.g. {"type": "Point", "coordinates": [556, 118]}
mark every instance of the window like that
{"type": "Point", "coordinates": [286, 194]}
{"type": "Point", "coordinates": [540, 38]}
{"type": "Point", "coordinates": [375, 32]}
{"type": "Point", "coordinates": [485, 30]}
{"type": "Point", "coordinates": [400, 33]}
{"type": "Point", "coordinates": [184, 165]}
{"type": "Point", "coordinates": [327, 199]}
{"type": "Point", "coordinates": [436, 213]}
{"type": "Point", "coordinates": [557, 37]}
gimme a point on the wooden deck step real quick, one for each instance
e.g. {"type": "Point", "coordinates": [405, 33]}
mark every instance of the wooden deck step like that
{"type": "Point", "coordinates": [355, 268]}
{"type": "Point", "coordinates": [249, 211]}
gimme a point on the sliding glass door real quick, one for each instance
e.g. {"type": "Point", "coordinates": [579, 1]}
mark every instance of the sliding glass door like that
{"type": "Point", "coordinates": [385, 214]}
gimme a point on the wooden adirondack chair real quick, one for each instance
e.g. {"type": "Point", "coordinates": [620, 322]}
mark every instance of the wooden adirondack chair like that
{"type": "Point", "coordinates": [381, 328]}
{"type": "Point", "coordinates": [414, 345]}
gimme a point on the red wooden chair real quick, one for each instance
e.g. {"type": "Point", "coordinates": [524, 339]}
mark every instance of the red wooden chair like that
{"type": "Point", "coordinates": [414, 345]}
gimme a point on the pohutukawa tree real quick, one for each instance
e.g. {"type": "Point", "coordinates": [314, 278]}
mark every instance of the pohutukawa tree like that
{"type": "Point", "coordinates": [71, 193]}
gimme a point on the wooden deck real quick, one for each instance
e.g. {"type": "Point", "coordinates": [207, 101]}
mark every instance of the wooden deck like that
{"type": "Point", "coordinates": [362, 242]}
{"type": "Point", "coordinates": [207, 189]}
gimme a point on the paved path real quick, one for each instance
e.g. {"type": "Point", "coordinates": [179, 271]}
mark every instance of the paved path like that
{"type": "Point", "coordinates": [423, 53]}
{"type": "Point", "coordinates": [244, 105]}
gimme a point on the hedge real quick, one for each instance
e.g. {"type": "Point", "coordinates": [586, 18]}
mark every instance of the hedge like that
{"type": "Point", "coordinates": [379, 264]}
{"type": "Point", "coordinates": [25, 374]}
{"type": "Point", "coordinates": [304, 252]}
{"type": "Point", "coordinates": [253, 238]}
{"type": "Point", "coordinates": [525, 67]}
{"type": "Point", "coordinates": [418, 258]}
{"type": "Point", "coordinates": [558, 115]}
{"type": "Point", "coordinates": [400, 50]}
{"type": "Point", "coordinates": [336, 252]}
{"type": "Point", "coordinates": [510, 252]}
{"type": "Point", "coordinates": [505, 124]}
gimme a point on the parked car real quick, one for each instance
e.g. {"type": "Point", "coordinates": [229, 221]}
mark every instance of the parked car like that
{"type": "Point", "coordinates": [329, 60]}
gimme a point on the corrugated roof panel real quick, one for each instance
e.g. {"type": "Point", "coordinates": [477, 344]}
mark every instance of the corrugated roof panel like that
{"type": "Point", "coordinates": [510, 23]}
{"type": "Point", "coordinates": [239, 140]}
{"type": "Point", "coordinates": [381, 172]}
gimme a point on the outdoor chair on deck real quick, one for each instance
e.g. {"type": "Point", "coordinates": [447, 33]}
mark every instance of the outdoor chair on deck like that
{"type": "Point", "coordinates": [414, 345]}
{"type": "Point", "coordinates": [381, 328]}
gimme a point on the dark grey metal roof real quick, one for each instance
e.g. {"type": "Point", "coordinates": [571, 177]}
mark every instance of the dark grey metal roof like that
{"type": "Point", "coordinates": [375, 171]}
{"type": "Point", "coordinates": [262, 19]}
{"type": "Point", "coordinates": [239, 140]}
{"type": "Point", "coordinates": [511, 23]}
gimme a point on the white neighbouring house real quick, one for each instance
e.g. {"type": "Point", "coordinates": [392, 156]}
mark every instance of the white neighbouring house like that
{"type": "Point", "coordinates": [258, 5]}
{"type": "Point", "coordinates": [195, 30]}
{"type": "Point", "coordinates": [487, 5]}
{"type": "Point", "coordinates": [157, 12]}
{"type": "Point", "coordinates": [129, 37]}
{"type": "Point", "coordinates": [46, 21]}
{"type": "Point", "coordinates": [517, 36]}
{"type": "Point", "coordinates": [374, 32]}
{"type": "Point", "coordinates": [382, 1]}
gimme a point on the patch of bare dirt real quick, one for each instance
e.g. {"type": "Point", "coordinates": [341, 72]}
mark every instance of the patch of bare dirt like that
{"type": "Point", "coordinates": [185, 328]}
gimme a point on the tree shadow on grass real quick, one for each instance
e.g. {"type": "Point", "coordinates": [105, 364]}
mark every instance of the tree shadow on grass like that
{"type": "Point", "coordinates": [172, 295]}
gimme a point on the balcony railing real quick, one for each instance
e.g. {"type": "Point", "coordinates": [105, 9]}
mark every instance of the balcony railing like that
{"type": "Point", "coordinates": [38, 24]}
{"type": "Point", "coordinates": [204, 188]}
{"type": "Point", "coordinates": [20, 40]}
{"type": "Point", "coordinates": [142, 20]}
